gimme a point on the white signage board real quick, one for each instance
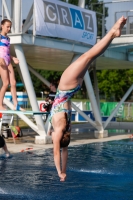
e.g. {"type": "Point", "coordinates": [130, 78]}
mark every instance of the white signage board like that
{"type": "Point", "coordinates": [62, 20]}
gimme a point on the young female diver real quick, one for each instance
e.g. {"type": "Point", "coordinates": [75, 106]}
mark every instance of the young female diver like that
{"type": "Point", "coordinates": [6, 69]}
{"type": "Point", "coordinates": [70, 83]}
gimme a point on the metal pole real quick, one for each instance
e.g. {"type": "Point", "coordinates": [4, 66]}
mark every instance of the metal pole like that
{"type": "Point", "coordinates": [23, 117]}
{"type": "Point", "coordinates": [27, 20]}
{"type": "Point", "coordinates": [92, 98]}
{"type": "Point", "coordinates": [118, 106]}
{"type": "Point", "coordinates": [29, 86]}
{"type": "Point", "coordinates": [28, 23]}
{"type": "Point", "coordinates": [2, 10]}
{"type": "Point", "coordinates": [27, 26]}
{"type": "Point", "coordinates": [12, 13]}
{"type": "Point", "coordinates": [96, 86]}
{"type": "Point", "coordinates": [81, 3]}
{"type": "Point", "coordinates": [34, 25]}
{"type": "Point", "coordinates": [83, 115]}
{"type": "Point", "coordinates": [39, 76]}
{"type": "Point", "coordinates": [17, 16]}
{"type": "Point", "coordinates": [89, 88]}
{"type": "Point", "coordinates": [128, 26]}
{"type": "Point", "coordinates": [19, 72]}
{"type": "Point", "coordinates": [47, 123]}
{"type": "Point", "coordinates": [103, 17]}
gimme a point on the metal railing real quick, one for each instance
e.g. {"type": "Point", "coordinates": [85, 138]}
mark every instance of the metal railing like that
{"type": "Point", "coordinates": [115, 14]}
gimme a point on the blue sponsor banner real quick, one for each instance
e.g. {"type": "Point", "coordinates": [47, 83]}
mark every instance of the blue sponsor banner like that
{"type": "Point", "coordinates": [63, 20]}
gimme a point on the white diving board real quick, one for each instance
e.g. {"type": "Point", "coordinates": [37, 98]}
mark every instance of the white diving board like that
{"type": "Point", "coordinates": [27, 112]}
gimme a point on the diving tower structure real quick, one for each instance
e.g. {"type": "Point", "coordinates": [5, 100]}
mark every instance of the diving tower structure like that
{"type": "Point", "coordinates": [41, 52]}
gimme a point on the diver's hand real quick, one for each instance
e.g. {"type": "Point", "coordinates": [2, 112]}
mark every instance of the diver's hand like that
{"type": "Point", "coordinates": [62, 176]}
{"type": "Point", "coordinates": [15, 60]}
{"type": "Point", "coordinates": [2, 62]}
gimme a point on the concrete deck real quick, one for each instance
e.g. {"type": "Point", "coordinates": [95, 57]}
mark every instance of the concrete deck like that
{"type": "Point", "coordinates": [77, 138]}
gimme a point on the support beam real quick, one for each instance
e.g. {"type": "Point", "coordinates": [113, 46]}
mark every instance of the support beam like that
{"type": "Point", "coordinates": [23, 117]}
{"type": "Point", "coordinates": [17, 16]}
{"type": "Point", "coordinates": [6, 9]}
{"type": "Point", "coordinates": [75, 57]}
{"type": "Point", "coordinates": [29, 87]}
{"type": "Point", "coordinates": [103, 21]}
{"type": "Point", "coordinates": [27, 20]}
{"type": "Point", "coordinates": [12, 13]}
{"type": "Point", "coordinates": [92, 98]}
{"type": "Point", "coordinates": [27, 26]}
{"type": "Point", "coordinates": [83, 115]}
{"type": "Point", "coordinates": [48, 126]}
{"type": "Point", "coordinates": [28, 23]}
{"type": "Point", "coordinates": [39, 76]}
{"type": "Point", "coordinates": [47, 123]}
{"type": "Point", "coordinates": [20, 74]}
{"type": "Point", "coordinates": [96, 86]}
{"type": "Point", "coordinates": [2, 17]}
{"type": "Point", "coordinates": [90, 91]}
{"type": "Point", "coordinates": [81, 3]}
{"type": "Point", "coordinates": [115, 54]}
{"type": "Point", "coordinates": [34, 24]}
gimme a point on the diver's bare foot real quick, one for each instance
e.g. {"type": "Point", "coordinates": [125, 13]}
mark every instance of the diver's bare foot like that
{"type": "Point", "coordinates": [21, 109]}
{"type": "Point", "coordinates": [17, 107]}
{"type": "Point", "coordinates": [116, 29]}
{"type": "Point", "coordinates": [2, 108]}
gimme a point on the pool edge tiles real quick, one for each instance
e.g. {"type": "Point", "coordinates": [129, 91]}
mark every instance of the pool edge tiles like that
{"type": "Point", "coordinates": [27, 141]}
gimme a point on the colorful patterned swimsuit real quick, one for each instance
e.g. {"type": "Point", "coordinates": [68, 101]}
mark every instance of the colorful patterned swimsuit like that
{"type": "Point", "coordinates": [5, 49]}
{"type": "Point", "coordinates": [58, 105]}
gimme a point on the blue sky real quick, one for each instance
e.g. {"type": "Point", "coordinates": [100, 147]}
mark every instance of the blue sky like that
{"type": "Point", "coordinates": [26, 4]}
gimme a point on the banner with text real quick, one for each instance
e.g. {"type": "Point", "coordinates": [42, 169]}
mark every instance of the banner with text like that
{"type": "Point", "coordinates": [58, 19]}
{"type": "Point", "coordinates": [106, 108]}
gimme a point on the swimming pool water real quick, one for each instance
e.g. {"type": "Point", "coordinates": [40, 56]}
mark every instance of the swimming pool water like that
{"type": "Point", "coordinates": [96, 171]}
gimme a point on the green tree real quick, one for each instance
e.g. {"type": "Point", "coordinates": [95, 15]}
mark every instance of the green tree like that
{"type": "Point", "coordinates": [74, 2]}
{"type": "Point", "coordinates": [37, 84]}
{"type": "Point", "coordinates": [114, 82]}
{"type": "Point", "coordinates": [49, 75]}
